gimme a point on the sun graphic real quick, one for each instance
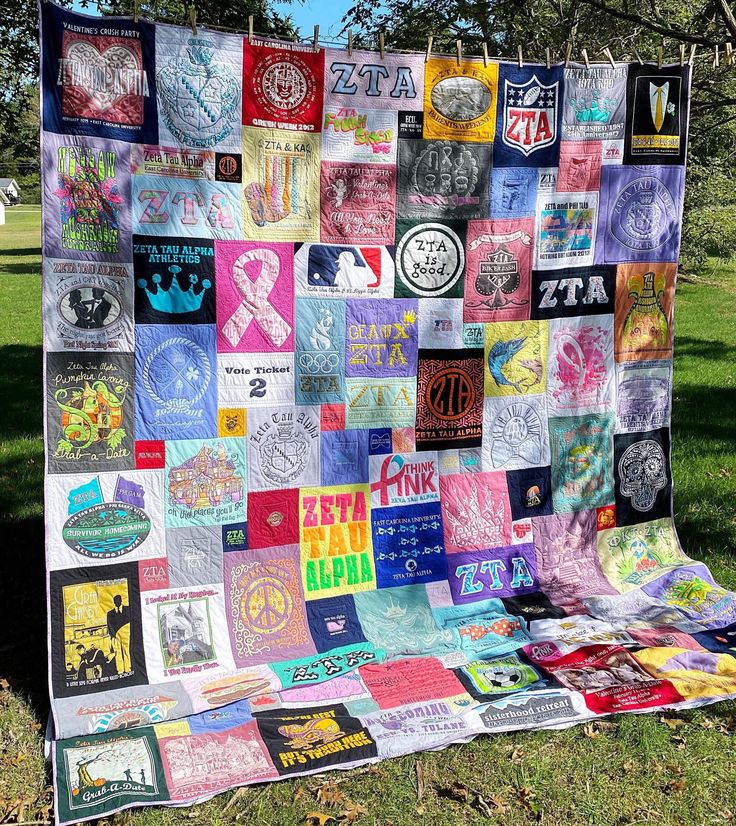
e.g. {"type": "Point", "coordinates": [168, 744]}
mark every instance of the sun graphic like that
{"type": "Point", "coordinates": [409, 316]}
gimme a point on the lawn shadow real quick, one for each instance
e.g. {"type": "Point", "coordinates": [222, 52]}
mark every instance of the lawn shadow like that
{"type": "Point", "coordinates": [15, 268]}
{"type": "Point", "coordinates": [23, 582]}
{"type": "Point", "coordinates": [699, 348]}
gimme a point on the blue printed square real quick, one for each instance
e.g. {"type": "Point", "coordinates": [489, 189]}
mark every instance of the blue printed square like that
{"type": "Point", "coordinates": [408, 544]}
{"type": "Point", "coordinates": [333, 622]}
{"type": "Point", "coordinates": [344, 457]}
{"type": "Point", "coordinates": [379, 441]}
{"type": "Point", "coordinates": [176, 381]}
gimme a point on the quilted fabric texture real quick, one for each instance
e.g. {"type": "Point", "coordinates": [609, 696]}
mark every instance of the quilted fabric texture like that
{"type": "Point", "coordinates": [358, 374]}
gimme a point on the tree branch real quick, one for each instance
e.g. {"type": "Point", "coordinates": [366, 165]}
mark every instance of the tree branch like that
{"type": "Point", "coordinates": [665, 31]}
{"type": "Point", "coordinates": [727, 16]}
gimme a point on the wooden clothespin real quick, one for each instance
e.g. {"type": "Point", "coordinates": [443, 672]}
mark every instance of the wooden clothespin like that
{"type": "Point", "coordinates": [693, 49]}
{"type": "Point", "coordinates": [549, 57]}
{"type": "Point", "coordinates": [459, 47]}
{"type": "Point", "coordinates": [250, 28]}
{"type": "Point", "coordinates": [585, 58]}
{"type": "Point", "coordinates": [638, 57]}
{"type": "Point", "coordinates": [660, 56]}
{"type": "Point", "coordinates": [315, 39]}
{"type": "Point", "coordinates": [717, 57]}
{"type": "Point", "coordinates": [682, 54]}
{"type": "Point", "coordinates": [135, 11]}
{"type": "Point", "coordinates": [568, 53]}
{"type": "Point", "coordinates": [607, 53]}
{"type": "Point", "coordinates": [381, 44]}
{"type": "Point", "coordinates": [485, 54]}
{"type": "Point", "coordinates": [193, 19]}
{"type": "Point", "coordinates": [430, 40]}
{"type": "Point", "coordinates": [350, 42]}
{"type": "Point", "coordinates": [729, 53]}
{"type": "Point", "coordinates": [520, 57]}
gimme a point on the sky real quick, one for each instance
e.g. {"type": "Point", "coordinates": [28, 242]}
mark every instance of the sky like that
{"type": "Point", "coordinates": [326, 14]}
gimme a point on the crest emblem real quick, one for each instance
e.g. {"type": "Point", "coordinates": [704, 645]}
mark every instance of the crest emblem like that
{"type": "Point", "coordinates": [530, 115]}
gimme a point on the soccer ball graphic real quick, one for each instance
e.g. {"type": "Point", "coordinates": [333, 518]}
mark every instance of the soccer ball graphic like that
{"type": "Point", "coordinates": [504, 677]}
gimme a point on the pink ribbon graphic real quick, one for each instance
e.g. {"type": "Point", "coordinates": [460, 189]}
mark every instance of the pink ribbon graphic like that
{"type": "Point", "coordinates": [255, 303]}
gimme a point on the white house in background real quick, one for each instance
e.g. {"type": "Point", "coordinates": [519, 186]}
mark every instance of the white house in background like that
{"type": "Point", "coordinates": [10, 190]}
{"type": "Point", "coordinates": [2, 214]}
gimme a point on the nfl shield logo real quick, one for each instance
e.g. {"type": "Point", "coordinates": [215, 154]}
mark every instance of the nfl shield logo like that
{"type": "Point", "coordinates": [530, 115]}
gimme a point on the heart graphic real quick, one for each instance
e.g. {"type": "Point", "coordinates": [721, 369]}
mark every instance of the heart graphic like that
{"type": "Point", "coordinates": [106, 77]}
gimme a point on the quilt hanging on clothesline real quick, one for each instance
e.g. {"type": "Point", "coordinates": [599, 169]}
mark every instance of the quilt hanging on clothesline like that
{"type": "Point", "coordinates": [358, 374]}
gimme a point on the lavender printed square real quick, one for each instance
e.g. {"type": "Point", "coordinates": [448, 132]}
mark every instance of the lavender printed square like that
{"type": "Point", "coordinates": [382, 337]}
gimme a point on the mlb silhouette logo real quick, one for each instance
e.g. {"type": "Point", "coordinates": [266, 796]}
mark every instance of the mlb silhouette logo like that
{"type": "Point", "coordinates": [530, 115]}
{"type": "Point", "coordinates": [344, 267]}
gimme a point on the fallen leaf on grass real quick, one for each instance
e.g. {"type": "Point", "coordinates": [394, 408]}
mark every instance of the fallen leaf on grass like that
{"type": "Point", "coordinates": [727, 814]}
{"type": "Point", "coordinates": [675, 785]}
{"type": "Point", "coordinates": [597, 728]}
{"type": "Point", "coordinates": [470, 797]}
{"type": "Point", "coordinates": [328, 794]}
{"type": "Point", "coordinates": [240, 793]}
{"type": "Point", "coordinates": [680, 742]}
{"type": "Point", "coordinates": [525, 798]}
{"type": "Point", "coordinates": [672, 722]}
{"type": "Point", "coordinates": [352, 812]}
{"type": "Point", "coordinates": [318, 818]}
{"type": "Point", "coordinates": [517, 755]}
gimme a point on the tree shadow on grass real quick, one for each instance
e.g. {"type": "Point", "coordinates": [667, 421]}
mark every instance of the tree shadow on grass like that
{"type": "Point", "coordinates": [23, 582]}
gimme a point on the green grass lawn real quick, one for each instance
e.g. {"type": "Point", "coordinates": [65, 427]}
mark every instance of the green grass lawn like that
{"type": "Point", "coordinates": [633, 769]}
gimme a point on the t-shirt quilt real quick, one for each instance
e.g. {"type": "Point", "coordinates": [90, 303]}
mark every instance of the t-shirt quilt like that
{"type": "Point", "coordinates": [358, 378]}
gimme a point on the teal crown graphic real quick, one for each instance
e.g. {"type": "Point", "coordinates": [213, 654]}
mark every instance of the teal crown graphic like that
{"type": "Point", "coordinates": [176, 299]}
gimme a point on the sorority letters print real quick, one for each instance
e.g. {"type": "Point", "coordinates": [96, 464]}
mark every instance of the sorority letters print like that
{"type": "Point", "coordinates": [282, 85]}
{"type": "Point", "coordinates": [365, 79]}
{"type": "Point", "coordinates": [644, 306]}
{"type": "Point", "coordinates": [529, 117]}
{"type": "Point", "coordinates": [460, 99]}
{"type": "Point", "coordinates": [88, 305]}
{"type": "Point", "coordinates": [358, 203]}
{"type": "Point", "coordinates": [656, 122]}
{"type": "Point", "coordinates": [443, 179]}
{"type": "Point", "coordinates": [98, 77]}
{"type": "Point", "coordinates": [174, 280]}
{"type": "Point", "coordinates": [574, 291]}
{"type": "Point", "coordinates": [198, 88]}
{"type": "Point", "coordinates": [449, 399]}
{"type": "Point", "coordinates": [357, 399]}
{"type": "Point", "coordinates": [87, 199]}
{"type": "Point", "coordinates": [595, 103]}
{"type": "Point", "coordinates": [90, 411]}
{"type": "Point", "coordinates": [335, 539]}
{"type": "Point", "coordinates": [281, 196]}
{"type": "Point", "coordinates": [499, 266]}
{"type": "Point", "coordinates": [637, 220]}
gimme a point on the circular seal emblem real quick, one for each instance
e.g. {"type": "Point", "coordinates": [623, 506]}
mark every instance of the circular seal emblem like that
{"type": "Point", "coordinates": [176, 373]}
{"type": "Point", "coordinates": [430, 258]}
{"type": "Point", "coordinates": [461, 99]}
{"type": "Point", "coordinates": [641, 218]}
{"type": "Point", "coordinates": [266, 605]}
{"type": "Point", "coordinates": [450, 393]}
{"type": "Point", "coordinates": [284, 85]}
{"type": "Point", "coordinates": [106, 530]}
